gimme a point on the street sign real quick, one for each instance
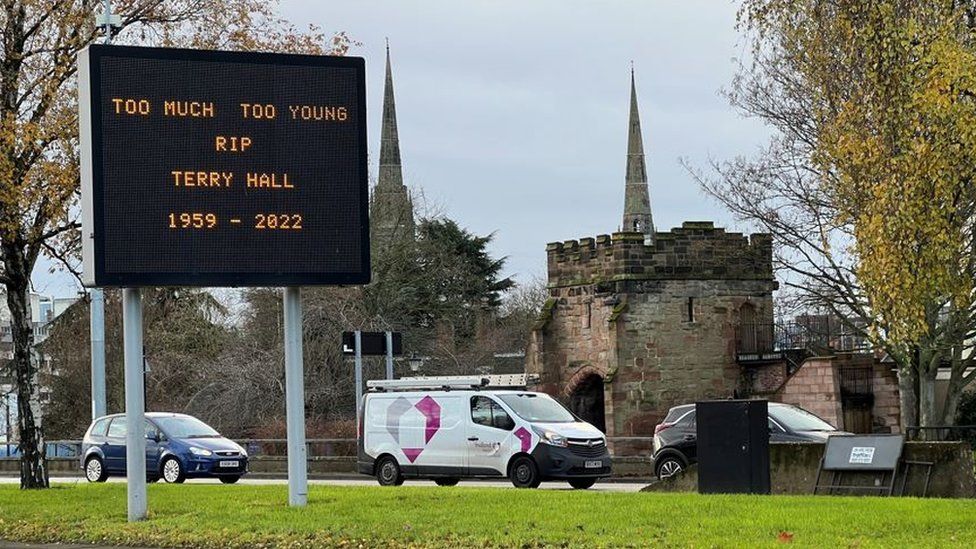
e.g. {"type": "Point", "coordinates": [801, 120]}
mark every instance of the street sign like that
{"type": "Point", "coordinates": [204, 168]}
{"type": "Point", "coordinates": [373, 343]}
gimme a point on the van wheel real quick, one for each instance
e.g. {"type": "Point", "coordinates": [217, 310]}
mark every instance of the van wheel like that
{"type": "Point", "coordinates": [95, 470]}
{"type": "Point", "coordinates": [446, 481]}
{"type": "Point", "coordinates": [388, 472]}
{"type": "Point", "coordinates": [582, 483]}
{"type": "Point", "coordinates": [524, 473]}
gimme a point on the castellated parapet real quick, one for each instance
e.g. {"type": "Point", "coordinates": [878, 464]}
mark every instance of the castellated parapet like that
{"type": "Point", "coordinates": [695, 251]}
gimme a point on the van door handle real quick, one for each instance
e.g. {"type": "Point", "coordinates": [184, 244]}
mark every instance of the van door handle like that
{"type": "Point", "coordinates": [472, 439]}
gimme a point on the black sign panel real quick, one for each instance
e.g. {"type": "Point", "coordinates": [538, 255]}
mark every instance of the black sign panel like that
{"type": "Point", "coordinates": [373, 343]}
{"type": "Point", "coordinates": [863, 452]}
{"type": "Point", "coordinates": [206, 168]}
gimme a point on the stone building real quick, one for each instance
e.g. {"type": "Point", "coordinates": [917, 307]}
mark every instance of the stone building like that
{"type": "Point", "coordinates": [639, 321]}
{"type": "Point", "coordinates": [390, 208]}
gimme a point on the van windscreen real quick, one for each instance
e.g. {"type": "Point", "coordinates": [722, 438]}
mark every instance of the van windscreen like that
{"type": "Point", "coordinates": [537, 408]}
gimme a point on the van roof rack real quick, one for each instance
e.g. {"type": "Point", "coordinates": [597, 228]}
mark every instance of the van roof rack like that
{"type": "Point", "coordinates": [496, 381]}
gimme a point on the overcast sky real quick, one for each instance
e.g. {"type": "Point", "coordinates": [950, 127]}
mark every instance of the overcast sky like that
{"type": "Point", "coordinates": [513, 114]}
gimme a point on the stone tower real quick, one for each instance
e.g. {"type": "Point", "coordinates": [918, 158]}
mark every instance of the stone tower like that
{"type": "Point", "coordinates": [391, 210]}
{"type": "Point", "coordinates": [639, 321]}
{"type": "Point", "coordinates": [637, 201]}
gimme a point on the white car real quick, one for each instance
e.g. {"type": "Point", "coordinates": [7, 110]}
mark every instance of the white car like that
{"type": "Point", "coordinates": [464, 427]}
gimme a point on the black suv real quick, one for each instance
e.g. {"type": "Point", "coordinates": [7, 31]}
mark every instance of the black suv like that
{"type": "Point", "coordinates": [676, 438]}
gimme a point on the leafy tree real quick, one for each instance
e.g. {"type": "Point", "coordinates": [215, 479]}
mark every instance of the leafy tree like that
{"type": "Point", "coordinates": [867, 186]}
{"type": "Point", "coordinates": [38, 138]}
{"type": "Point", "coordinates": [184, 339]}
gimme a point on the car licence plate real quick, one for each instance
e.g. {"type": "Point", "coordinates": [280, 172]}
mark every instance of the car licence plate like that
{"type": "Point", "coordinates": [230, 464]}
{"type": "Point", "coordinates": [593, 464]}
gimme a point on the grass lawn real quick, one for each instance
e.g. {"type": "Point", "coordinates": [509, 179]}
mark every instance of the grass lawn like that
{"type": "Point", "coordinates": [255, 516]}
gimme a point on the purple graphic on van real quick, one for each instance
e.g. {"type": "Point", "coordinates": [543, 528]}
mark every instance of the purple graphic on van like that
{"type": "Point", "coordinates": [525, 437]}
{"type": "Point", "coordinates": [432, 411]}
{"type": "Point", "coordinates": [426, 406]}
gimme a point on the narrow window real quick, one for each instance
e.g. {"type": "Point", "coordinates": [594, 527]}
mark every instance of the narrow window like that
{"type": "Point", "coordinates": [691, 309]}
{"type": "Point", "coordinates": [587, 313]}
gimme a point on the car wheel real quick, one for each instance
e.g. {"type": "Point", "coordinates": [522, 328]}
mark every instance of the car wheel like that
{"type": "Point", "coordinates": [173, 472]}
{"type": "Point", "coordinates": [446, 481]}
{"type": "Point", "coordinates": [669, 466]}
{"type": "Point", "coordinates": [388, 472]}
{"type": "Point", "coordinates": [582, 483]}
{"type": "Point", "coordinates": [523, 473]}
{"type": "Point", "coordinates": [95, 470]}
{"type": "Point", "coordinates": [229, 480]}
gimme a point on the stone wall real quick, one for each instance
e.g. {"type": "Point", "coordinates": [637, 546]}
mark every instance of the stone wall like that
{"type": "Point", "coordinates": [666, 357]}
{"type": "Point", "coordinates": [793, 470]}
{"type": "Point", "coordinates": [815, 387]}
{"type": "Point", "coordinates": [697, 250]}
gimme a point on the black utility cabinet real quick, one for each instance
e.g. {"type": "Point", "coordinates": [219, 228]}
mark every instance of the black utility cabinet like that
{"type": "Point", "coordinates": [733, 447]}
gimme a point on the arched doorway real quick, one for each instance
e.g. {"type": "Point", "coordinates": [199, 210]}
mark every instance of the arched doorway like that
{"type": "Point", "coordinates": [586, 401]}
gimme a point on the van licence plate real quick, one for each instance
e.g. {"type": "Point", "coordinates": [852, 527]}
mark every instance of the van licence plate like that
{"type": "Point", "coordinates": [593, 464]}
{"type": "Point", "coordinates": [230, 464]}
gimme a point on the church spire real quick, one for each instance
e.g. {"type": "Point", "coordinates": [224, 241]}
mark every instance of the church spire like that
{"type": "Point", "coordinates": [637, 201]}
{"type": "Point", "coordinates": [391, 210]}
{"type": "Point", "coordinates": [390, 174]}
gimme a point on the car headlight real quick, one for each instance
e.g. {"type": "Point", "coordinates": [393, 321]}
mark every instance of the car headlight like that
{"type": "Point", "coordinates": [550, 438]}
{"type": "Point", "coordinates": [200, 451]}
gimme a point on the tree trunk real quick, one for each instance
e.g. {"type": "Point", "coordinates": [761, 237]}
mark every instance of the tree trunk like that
{"type": "Point", "coordinates": [927, 415]}
{"type": "Point", "coordinates": [908, 394]}
{"type": "Point", "coordinates": [33, 464]}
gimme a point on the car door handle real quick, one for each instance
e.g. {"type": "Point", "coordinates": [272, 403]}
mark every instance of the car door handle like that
{"type": "Point", "coordinates": [472, 439]}
{"type": "Point", "coordinates": [689, 437]}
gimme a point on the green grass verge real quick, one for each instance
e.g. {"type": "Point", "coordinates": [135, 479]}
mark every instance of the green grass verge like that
{"type": "Point", "coordinates": [258, 516]}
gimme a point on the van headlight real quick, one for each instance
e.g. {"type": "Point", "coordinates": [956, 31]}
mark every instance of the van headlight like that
{"type": "Point", "coordinates": [200, 451]}
{"type": "Point", "coordinates": [550, 438]}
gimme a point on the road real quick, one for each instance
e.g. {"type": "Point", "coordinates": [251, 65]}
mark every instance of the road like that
{"type": "Point", "coordinates": [599, 487]}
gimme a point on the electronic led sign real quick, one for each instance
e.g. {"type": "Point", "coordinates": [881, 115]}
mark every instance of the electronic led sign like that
{"type": "Point", "coordinates": [203, 168]}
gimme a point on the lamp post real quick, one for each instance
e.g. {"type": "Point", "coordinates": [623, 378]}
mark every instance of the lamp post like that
{"type": "Point", "coordinates": [415, 362]}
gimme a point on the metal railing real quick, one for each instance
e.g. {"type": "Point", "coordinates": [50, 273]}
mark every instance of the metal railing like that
{"type": "Point", "coordinates": [56, 448]}
{"type": "Point", "coordinates": [759, 338]}
{"type": "Point", "coordinates": [964, 433]}
{"type": "Point", "coordinates": [314, 447]}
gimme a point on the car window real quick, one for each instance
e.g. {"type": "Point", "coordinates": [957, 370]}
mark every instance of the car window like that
{"type": "Point", "coordinates": [688, 420]}
{"type": "Point", "coordinates": [500, 418]}
{"type": "Point", "coordinates": [117, 428]}
{"type": "Point", "coordinates": [152, 432]}
{"type": "Point", "coordinates": [677, 412]}
{"type": "Point", "coordinates": [481, 410]}
{"type": "Point", "coordinates": [774, 427]}
{"type": "Point", "coordinates": [798, 419]}
{"type": "Point", "coordinates": [485, 411]}
{"type": "Point", "coordinates": [100, 427]}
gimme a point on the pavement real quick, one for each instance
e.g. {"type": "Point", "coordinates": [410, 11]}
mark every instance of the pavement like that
{"type": "Point", "coordinates": [602, 486]}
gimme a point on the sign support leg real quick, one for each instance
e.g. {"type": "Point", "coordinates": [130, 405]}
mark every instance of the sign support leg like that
{"type": "Point", "coordinates": [97, 352]}
{"type": "Point", "coordinates": [389, 355]}
{"type": "Point", "coordinates": [135, 438]}
{"type": "Point", "coordinates": [295, 399]}
{"type": "Point", "coordinates": [359, 376]}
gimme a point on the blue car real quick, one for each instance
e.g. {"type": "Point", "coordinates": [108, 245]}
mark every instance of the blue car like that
{"type": "Point", "coordinates": [178, 447]}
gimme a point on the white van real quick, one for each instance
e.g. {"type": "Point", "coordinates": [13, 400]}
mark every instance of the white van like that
{"type": "Point", "coordinates": [454, 427]}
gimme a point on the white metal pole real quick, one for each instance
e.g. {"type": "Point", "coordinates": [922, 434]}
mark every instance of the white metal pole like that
{"type": "Point", "coordinates": [359, 376]}
{"type": "Point", "coordinates": [389, 355]}
{"type": "Point", "coordinates": [135, 438]}
{"type": "Point", "coordinates": [295, 399]}
{"type": "Point", "coordinates": [97, 352]}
